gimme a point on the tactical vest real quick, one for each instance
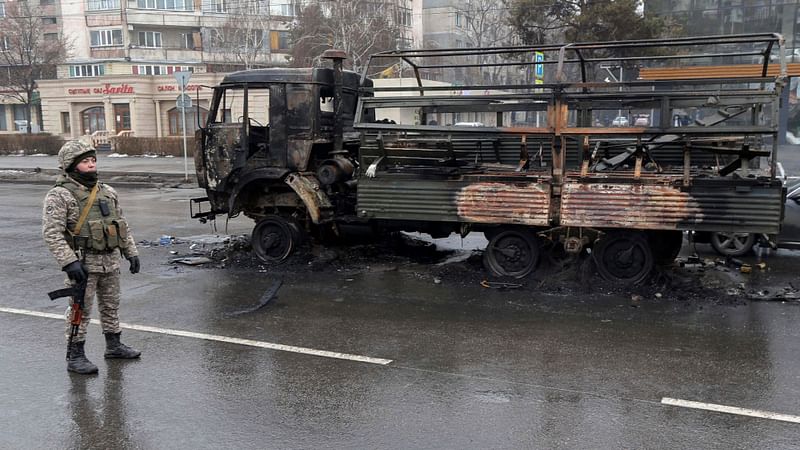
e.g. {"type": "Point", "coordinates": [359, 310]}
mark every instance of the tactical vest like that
{"type": "Point", "coordinates": [103, 230]}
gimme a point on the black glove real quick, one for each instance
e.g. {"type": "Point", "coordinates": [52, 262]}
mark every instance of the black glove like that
{"type": "Point", "coordinates": [76, 272]}
{"type": "Point", "coordinates": [134, 260]}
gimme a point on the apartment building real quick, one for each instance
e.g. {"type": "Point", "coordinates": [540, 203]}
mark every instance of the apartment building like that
{"type": "Point", "coordinates": [12, 112]}
{"type": "Point", "coordinates": [468, 23]}
{"type": "Point", "coordinates": [119, 76]}
{"type": "Point", "coordinates": [719, 17]}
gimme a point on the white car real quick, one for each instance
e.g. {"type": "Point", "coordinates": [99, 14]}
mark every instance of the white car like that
{"type": "Point", "coordinates": [620, 121]}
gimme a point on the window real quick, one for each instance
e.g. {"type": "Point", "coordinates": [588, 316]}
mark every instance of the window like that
{"type": "Point", "coordinates": [65, 125]}
{"type": "Point", "coordinates": [403, 16]}
{"type": "Point", "coordinates": [214, 6]}
{"type": "Point", "coordinates": [279, 40]}
{"type": "Point", "coordinates": [286, 8]}
{"type": "Point", "coordinates": [93, 119]}
{"type": "Point", "coordinates": [150, 39]}
{"type": "Point", "coordinates": [149, 69]}
{"type": "Point", "coordinates": [122, 117]}
{"type": "Point", "coordinates": [19, 117]}
{"type": "Point", "coordinates": [99, 5]}
{"type": "Point", "coordinates": [459, 20]}
{"type": "Point", "coordinates": [2, 11]}
{"type": "Point", "coordinates": [49, 20]}
{"type": "Point", "coordinates": [4, 45]}
{"type": "Point", "coordinates": [86, 70]}
{"type": "Point", "coordinates": [175, 5]}
{"type": "Point", "coordinates": [3, 123]}
{"type": "Point", "coordinates": [176, 121]}
{"type": "Point", "coordinates": [173, 69]}
{"type": "Point", "coordinates": [50, 37]}
{"type": "Point", "coordinates": [105, 38]}
{"type": "Point", "coordinates": [46, 2]}
{"type": "Point", "coordinates": [187, 41]}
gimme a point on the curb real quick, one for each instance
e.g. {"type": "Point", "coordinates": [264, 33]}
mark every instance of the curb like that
{"type": "Point", "coordinates": [128, 179]}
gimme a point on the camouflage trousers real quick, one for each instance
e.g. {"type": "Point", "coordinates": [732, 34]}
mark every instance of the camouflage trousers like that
{"type": "Point", "coordinates": [105, 287]}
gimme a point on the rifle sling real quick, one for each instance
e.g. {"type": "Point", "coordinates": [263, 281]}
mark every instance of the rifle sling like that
{"type": "Point", "coordinates": [85, 213]}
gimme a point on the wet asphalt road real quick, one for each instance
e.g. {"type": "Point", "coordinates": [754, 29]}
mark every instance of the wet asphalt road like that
{"type": "Point", "coordinates": [470, 367]}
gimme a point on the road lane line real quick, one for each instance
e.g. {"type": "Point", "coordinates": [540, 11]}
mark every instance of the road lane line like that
{"type": "Point", "coordinates": [217, 338]}
{"type": "Point", "coordinates": [731, 410]}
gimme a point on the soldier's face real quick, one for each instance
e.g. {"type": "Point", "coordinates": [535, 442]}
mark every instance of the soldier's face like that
{"type": "Point", "coordinates": [88, 164]}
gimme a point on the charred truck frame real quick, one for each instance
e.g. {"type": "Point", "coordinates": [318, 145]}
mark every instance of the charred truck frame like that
{"type": "Point", "coordinates": [547, 172]}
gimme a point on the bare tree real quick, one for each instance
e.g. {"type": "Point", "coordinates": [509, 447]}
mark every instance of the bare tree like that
{"type": "Point", "coordinates": [26, 53]}
{"type": "Point", "coordinates": [485, 23]}
{"type": "Point", "coordinates": [359, 27]}
{"type": "Point", "coordinates": [244, 36]}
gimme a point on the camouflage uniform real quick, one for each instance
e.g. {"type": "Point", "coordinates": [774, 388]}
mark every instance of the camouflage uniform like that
{"type": "Point", "coordinates": [60, 213]}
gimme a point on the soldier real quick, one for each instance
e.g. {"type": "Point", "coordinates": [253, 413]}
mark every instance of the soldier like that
{"type": "Point", "coordinates": [105, 233]}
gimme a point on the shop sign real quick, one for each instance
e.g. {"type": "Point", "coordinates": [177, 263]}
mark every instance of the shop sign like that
{"type": "Point", "coordinates": [106, 89]}
{"type": "Point", "coordinates": [176, 88]}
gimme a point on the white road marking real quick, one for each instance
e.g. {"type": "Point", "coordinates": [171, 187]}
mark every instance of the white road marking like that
{"type": "Point", "coordinates": [214, 337]}
{"type": "Point", "coordinates": [731, 410]}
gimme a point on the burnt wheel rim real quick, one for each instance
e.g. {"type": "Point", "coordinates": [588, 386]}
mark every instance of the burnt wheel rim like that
{"type": "Point", "coordinates": [274, 239]}
{"type": "Point", "coordinates": [511, 254]}
{"type": "Point", "coordinates": [624, 258]}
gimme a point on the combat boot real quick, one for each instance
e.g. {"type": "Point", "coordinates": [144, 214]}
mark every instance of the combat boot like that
{"type": "Point", "coordinates": [77, 361]}
{"type": "Point", "coordinates": [116, 349]}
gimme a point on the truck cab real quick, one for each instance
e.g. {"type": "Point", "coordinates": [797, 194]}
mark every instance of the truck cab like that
{"type": "Point", "coordinates": [275, 149]}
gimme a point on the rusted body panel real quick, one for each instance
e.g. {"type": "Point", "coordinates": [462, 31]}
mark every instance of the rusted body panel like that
{"type": "Point", "coordinates": [404, 198]}
{"type": "Point", "coordinates": [703, 207]}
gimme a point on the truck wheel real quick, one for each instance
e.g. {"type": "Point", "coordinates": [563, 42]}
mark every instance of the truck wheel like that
{"type": "Point", "coordinates": [732, 244]}
{"type": "Point", "coordinates": [512, 253]}
{"type": "Point", "coordinates": [274, 238]}
{"type": "Point", "coordinates": [623, 257]}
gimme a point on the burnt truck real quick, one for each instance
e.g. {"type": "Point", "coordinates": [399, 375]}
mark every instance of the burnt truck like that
{"type": "Point", "coordinates": [526, 153]}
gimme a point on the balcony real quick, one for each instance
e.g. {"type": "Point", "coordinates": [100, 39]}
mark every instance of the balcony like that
{"type": "Point", "coordinates": [267, 59]}
{"type": "Point", "coordinates": [107, 53]}
{"type": "Point", "coordinates": [164, 54]}
{"type": "Point", "coordinates": [153, 18]}
{"type": "Point", "coordinates": [103, 18]}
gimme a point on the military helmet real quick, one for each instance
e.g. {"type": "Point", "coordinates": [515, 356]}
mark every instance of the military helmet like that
{"type": "Point", "coordinates": [72, 152]}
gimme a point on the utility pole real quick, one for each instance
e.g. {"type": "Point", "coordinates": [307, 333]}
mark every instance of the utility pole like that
{"type": "Point", "coordinates": [183, 102]}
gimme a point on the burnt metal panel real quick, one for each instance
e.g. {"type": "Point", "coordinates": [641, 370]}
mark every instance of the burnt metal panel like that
{"type": "Point", "coordinates": [753, 209]}
{"type": "Point", "coordinates": [277, 126]}
{"type": "Point", "coordinates": [406, 198]}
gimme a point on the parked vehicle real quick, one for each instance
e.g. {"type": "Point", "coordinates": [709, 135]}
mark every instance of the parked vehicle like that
{"type": "Point", "coordinates": [620, 121]}
{"type": "Point", "coordinates": [320, 160]}
{"type": "Point", "coordinates": [739, 244]}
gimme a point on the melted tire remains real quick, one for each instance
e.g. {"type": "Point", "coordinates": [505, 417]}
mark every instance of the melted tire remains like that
{"type": "Point", "coordinates": [275, 238]}
{"type": "Point", "coordinates": [512, 253]}
{"type": "Point", "coordinates": [624, 257]}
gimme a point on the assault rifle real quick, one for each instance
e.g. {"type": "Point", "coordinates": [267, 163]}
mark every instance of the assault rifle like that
{"type": "Point", "coordinates": [78, 293]}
